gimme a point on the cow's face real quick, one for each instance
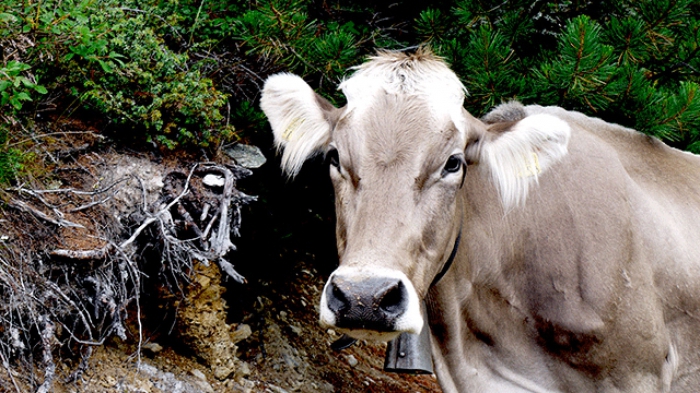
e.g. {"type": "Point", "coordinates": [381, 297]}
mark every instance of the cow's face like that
{"type": "Point", "coordinates": [397, 155]}
{"type": "Point", "coordinates": [396, 165]}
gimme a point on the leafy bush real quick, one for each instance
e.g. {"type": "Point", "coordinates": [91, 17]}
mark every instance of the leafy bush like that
{"type": "Point", "coordinates": [112, 56]}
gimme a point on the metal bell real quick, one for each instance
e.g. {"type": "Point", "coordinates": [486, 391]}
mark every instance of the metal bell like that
{"type": "Point", "coordinates": [410, 353]}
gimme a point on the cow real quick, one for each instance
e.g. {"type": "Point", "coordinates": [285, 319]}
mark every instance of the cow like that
{"type": "Point", "coordinates": [554, 252]}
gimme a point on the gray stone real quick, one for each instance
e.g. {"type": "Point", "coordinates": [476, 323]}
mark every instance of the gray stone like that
{"type": "Point", "coordinates": [352, 361]}
{"type": "Point", "coordinates": [247, 156]}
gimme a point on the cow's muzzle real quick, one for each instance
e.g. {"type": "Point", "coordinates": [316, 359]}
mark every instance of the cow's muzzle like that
{"type": "Point", "coordinates": [374, 303]}
{"type": "Point", "coordinates": [377, 305]}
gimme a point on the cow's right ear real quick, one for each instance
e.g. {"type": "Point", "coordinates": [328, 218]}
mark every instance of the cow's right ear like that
{"type": "Point", "coordinates": [301, 120]}
{"type": "Point", "coordinates": [516, 152]}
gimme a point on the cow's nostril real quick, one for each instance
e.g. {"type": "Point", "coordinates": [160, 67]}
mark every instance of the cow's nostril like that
{"type": "Point", "coordinates": [337, 299]}
{"type": "Point", "coordinates": [393, 299]}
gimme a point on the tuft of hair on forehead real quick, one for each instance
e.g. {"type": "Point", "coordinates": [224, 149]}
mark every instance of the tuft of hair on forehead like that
{"type": "Point", "coordinates": [420, 73]}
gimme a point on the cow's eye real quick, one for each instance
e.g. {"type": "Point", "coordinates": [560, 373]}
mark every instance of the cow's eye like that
{"type": "Point", "coordinates": [332, 158]}
{"type": "Point", "coordinates": [453, 164]}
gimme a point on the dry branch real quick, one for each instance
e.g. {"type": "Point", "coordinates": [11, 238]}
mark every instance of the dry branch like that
{"type": "Point", "coordinates": [24, 207]}
{"type": "Point", "coordinates": [48, 335]}
{"type": "Point", "coordinates": [100, 253]}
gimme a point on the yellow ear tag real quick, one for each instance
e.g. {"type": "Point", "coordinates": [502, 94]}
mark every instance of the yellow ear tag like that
{"type": "Point", "coordinates": [532, 166]}
{"type": "Point", "coordinates": [291, 128]}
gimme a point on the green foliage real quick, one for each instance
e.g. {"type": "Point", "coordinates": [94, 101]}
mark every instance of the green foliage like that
{"type": "Point", "coordinates": [16, 87]}
{"type": "Point", "coordinates": [9, 159]}
{"type": "Point", "coordinates": [113, 57]}
{"type": "Point", "coordinates": [182, 73]}
{"type": "Point", "coordinates": [634, 63]}
{"type": "Point", "coordinates": [283, 32]}
{"type": "Point", "coordinates": [580, 74]}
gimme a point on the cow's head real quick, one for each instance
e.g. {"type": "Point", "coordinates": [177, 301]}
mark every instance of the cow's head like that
{"type": "Point", "coordinates": [398, 154]}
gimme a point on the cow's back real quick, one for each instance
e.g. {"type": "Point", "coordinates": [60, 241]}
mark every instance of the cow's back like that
{"type": "Point", "coordinates": [662, 189]}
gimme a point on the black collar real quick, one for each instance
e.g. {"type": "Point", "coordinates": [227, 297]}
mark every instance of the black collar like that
{"type": "Point", "coordinates": [451, 259]}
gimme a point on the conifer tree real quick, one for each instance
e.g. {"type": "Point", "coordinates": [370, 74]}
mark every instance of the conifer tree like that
{"type": "Point", "coordinates": [636, 63]}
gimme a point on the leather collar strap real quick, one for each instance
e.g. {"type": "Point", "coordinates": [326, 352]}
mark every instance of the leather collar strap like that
{"type": "Point", "coordinates": [450, 260]}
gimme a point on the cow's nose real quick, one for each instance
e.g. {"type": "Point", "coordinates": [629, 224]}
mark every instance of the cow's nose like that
{"type": "Point", "coordinates": [370, 303]}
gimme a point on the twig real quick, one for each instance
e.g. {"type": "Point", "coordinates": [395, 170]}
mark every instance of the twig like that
{"type": "Point", "coordinates": [82, 367]}
{"type": "Point", "coordinates": [6, 364]}
{"type": "Point", "coordinates": [47, 337]}
{"type": "Point", "coordinates": [19, 205]}
{"type": "Point", "coordinates": [91, 204]}
{"type": "Point", "coordinates": [196, 21]}
{"type": "Point", "coordinates": [69, 301]}
{"type": "Point", "coordinates": [35, 193]}
{"type": "Point", "coordinates": [100, 253]}
{"type": "Point", "coordinates": [227, 267]}
{"type": "Point", "coordinates": [137, 282]}
{"type": "Point", "coordinates": [155, 217]}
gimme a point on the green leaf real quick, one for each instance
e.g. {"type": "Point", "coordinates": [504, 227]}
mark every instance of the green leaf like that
{"type": "Point", "coordinates": [7, 18]}
{"type": "Point", "coordinates": [105, 66]}
{"type": "Point", "coordinates": [23, 96]}
{"type": "Point", "coordinates": [694, 147]}
{"type": "Point", "coordinates": [26, 82]}
{"type": "Point", "coordinates": [15, 102]}
{"type": "Point", "coordinates": [15, 67]}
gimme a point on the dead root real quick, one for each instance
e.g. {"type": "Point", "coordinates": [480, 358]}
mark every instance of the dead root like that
{"type": "Point", "coordinates": [71, 265]}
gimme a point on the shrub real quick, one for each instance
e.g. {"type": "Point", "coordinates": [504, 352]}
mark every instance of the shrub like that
{"type": "Point", "coordinates": [113, 57]}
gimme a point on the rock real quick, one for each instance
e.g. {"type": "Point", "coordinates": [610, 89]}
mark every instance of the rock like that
{"type": "Point", "coordinates": [295, 329]}
{"type": "Point", "coordinates": [133, 191]}
{"type": "Point", "coordinates": [168, 382]}
{"type": "Point", "coordinates": [213, 180]}
{"type": "Point", "coordinates": [291, 361]}
{"type": "Point", "coordinates": [204, 386]}
{"type": "Point", "coordinates": [198, 374]}
{"type": "Point", "coordinates": [109, 381]}
{"type": "Point", "coordinates": [201, 381]}
{"type": "Point", "coordinates": [352, 361]}
{"type": "Point", "coordinates": [241, 333]}
{"type": "Point", "coordinates": [152, 347]}
{"type": "Point", "coordinates": [242, 371]}
{"type": "Point", "coordinates": [247, 156]}
{"type": "Point", "coordinates": [276, 389]}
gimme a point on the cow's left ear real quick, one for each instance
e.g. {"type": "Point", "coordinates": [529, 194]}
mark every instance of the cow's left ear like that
{"type": "Point", "coordinates": [301, 120]}
{"type": "Point", "coordinates": [516, 153]}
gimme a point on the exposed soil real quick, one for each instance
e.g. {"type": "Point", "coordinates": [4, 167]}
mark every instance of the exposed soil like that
{"type": "Point", "coordinates": [286, 352]}
{"type": "Point", "coordinates": [222, 336]}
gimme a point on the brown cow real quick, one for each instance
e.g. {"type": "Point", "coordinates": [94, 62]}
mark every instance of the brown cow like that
{"type": "Point", "coordinates": [575, 241]}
